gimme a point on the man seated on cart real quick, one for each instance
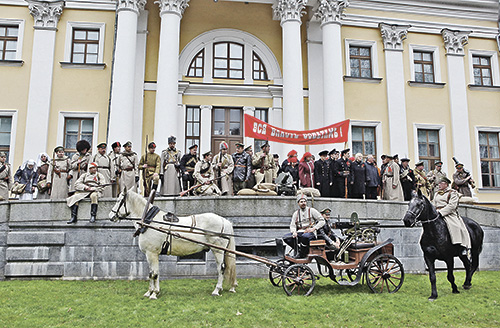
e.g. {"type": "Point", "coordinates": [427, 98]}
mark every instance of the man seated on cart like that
{"type": "Point", "coordinates": [326, 232]}
{"type": "Point", "coordinates": [306, 221]}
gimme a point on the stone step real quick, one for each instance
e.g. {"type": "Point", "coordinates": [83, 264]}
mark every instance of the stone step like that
{"type": "Point", "coordinates": [23, 269]}
{"type": "Point", "coordinates": [32, 238]}
{"type": "Point", "coordinates": [20, 254]}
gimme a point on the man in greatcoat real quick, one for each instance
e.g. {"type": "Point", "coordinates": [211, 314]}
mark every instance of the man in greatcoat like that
{"type": "Point", "coordinates": [251, 180]}
{"type": "Point", "coordinates": [341, 171]}
{"type": "Point", "coordinates": [114, 154]}
{"type": "Point", "coordinates": [42, 170]}
{"type": "Point", "coordinates": [128, 165]}
{"type": "Point", "coordinates": [106, 167]}
{"type": "Point", "coordinates": [90, 184]}
{"type": "Point", "coordinates": [434, 176]}
{"type": "Point", "coordinates": [5, 177]}
{"type": "Point", "coordinates": [391, 182]}
{"type": "Point", "coordinates": [187, 164]}
{"type": "Point", "coordinates": [242, 168]}
{"type": "Point", "coordinates": [223, 165]}
{"type": "Point", "coordinates": [323, 174]}
{"type": "Point", "coordinates": [372, 178]}
{"type": "Point", "coordinates": [150, 165]}
{"type": "Point", "coordinates": [462, 180]}
{"type": "Point", "coordinates": [170, 171]}
{"type": "Point", "coordinates": [446, 202]}
{"type": "Point", "coordinates": [358, 178]}
{"type": "Point", "coordinates": [326, 232]}
{"type": "Point", "coordinates": [407, 178]}
{"type": "Point", "coordinates": [59, 174]}
{"type": "Point", "coordinates": [263, 163]}
{"type": "Point", "coordinates": [79, 162]}
{"type": "Point", "coordinates": [205, 175]}
{"type": "Point", "coordinates": [421, 182]}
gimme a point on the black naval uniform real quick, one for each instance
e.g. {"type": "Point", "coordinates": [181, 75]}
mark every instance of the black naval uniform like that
{"type": "Point", "coordinates": [187, 164]}
{"type": "Point", "coordinates": [407, 182]}
{"type": "Point", "coordinates": [339, 177]}
{"type": "Point", "coordinates": [322, 177]}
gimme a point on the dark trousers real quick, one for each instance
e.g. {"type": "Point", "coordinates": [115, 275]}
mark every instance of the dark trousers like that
{"type": "Point", "coordinates": [303, 239]}
{"type": "Point", "coordinates": [187, 181]}
{"type": "Point", "coordinates": [371, 193]}
{"type": "Point", "coordinates": [339, 188]}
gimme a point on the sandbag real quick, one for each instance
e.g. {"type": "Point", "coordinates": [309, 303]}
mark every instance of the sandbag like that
{"type": "Point", "coordinates": [247, 192]}
{"type": "Point", "coordinates": [264, 185]}
{"type": "Point", "coordinates": [261, 192]}
{"type": "Point", "coordinates": [310, 192]}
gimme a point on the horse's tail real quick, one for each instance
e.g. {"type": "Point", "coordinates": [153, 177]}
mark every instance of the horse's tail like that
{"type": "Point", "coordinates": [230, 265]}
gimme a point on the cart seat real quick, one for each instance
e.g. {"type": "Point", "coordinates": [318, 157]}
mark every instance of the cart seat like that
{"type": "Point", "coordinates": [316, 243]}
{"type": "Point", "coordinates": [361, 245]}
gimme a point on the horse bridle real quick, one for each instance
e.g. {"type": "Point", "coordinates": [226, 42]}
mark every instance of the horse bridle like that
{"type": "Point", "coordinates": [416, 215]}
{"type": "Point", "coordinates": [123, 203]}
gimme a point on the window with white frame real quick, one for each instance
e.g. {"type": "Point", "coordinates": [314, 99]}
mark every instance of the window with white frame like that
{"type": "Point", "coordinates": [361, 59]}
{"type": "Point", "coordinates": [490, 158]}
{"type": "Point", "coordinates": [5, 134]}
{"type": "Point", "coordinates": [193, 126]}
{"type": "Point", "coordinates": [84, 44]}
{"type": "Point", "coordinates": [483, 68]}
{"type": "Point", "coordinates": [76, 129]}
{"type": "Point", "coordinates": [428, 147]}
{"type": "Point", "coordinates": [228, 60]}
{"type": "Point", "coordinates": [263, 115]}
{"type": "Point", "coordinates": [11, 40]}
{"type": "Point", "coordinates": [364, 141]}
{"type": "Point", "coordinates": [196, 67]}
{"type": "Point", "coordinates": [259, 70]}
{"type": "Point", "coordinates": [425, 66]}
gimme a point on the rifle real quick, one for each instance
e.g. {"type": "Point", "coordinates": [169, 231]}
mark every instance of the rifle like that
{"type": "Point", "coordinates": [144, 183]}
{"type": "Point", "coordinates": [200, 184]}
{"type": "Point", "coordinates": [467, 173]}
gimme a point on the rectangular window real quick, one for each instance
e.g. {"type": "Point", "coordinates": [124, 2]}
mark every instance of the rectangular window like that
{"type": "Point", "coordinates": [85, 46]}
{"type": "Point", "coordinates": [8, 42]}
{"type": "Point", "coordinates": [490, 159]}
{"type": "Point", "coordinates": [76, 129]}
{"type": "Point", "coordinates": [5, 133]}
{"type": "Point", "coordinates": [261, 114]}
{"type": "Point", "coordinates": [192, 126]}
{"type": "Point", "coordinates": [363, 141]}
{"type": "Point", "coordinates": [424, 66]}
{"type": "Point", "coordinates": [360, 61]}
{"type": "Point", "coordinates": [482, 70]}
{"type": "Point", "coordinates": [228, 60]}
{"type": "Point", "coordinates": [428, 147]}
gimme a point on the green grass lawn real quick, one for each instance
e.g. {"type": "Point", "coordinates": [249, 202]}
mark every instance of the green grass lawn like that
{"type": "Point", "coordinates": [187, 303]}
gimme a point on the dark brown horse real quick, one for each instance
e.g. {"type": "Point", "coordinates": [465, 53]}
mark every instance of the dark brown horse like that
{"type": "Point", "coordinates": [436, 242]}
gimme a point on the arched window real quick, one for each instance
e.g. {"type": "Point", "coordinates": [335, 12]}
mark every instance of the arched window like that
{"type": "Point", "coordinates": [228, 60]}
{"type": "Point", "coordinates": [259, 70]}
{"type": "Point", "coordinates": [196, 66]}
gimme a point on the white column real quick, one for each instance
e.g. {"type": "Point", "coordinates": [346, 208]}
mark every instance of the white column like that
{"type": "Point", "coordinates": [46, 16]}
{"type": "Point", "coordinates": [167, 109]}
{"type": "Point", "coordinates": [290, 11]}
{"type": "Point", "coordinates": [206, 129]}
{"type": "Point", "coordinates": [121, 116]}
{"type": "Point", "coordinates": [393, 36]}
{"type": "Point", "coordinates": [454, 42]}
{"type": "Point", "coordinates": [249, 110]}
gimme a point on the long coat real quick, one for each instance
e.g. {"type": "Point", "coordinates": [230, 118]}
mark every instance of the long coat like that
{"type": "Point", "coordinates": [5, 180]}
{"type": "Point", "coordinates": [78, 166]}
{"type": "Point", "coordinates": [58, 177]}
{"type": "Point", "coordinates": [242, 166]}
{"type": "Point", "coordinates": [286, 166]}
{"type": "Point", "coordinates": [106, 167]}
{"type": "Point", "coordinates": [392, 184]}
{"type": "Point", "coordinates": [421, 182]}
{"type": "Point", "coordinates": [226, 168]}
{"type": "Point", "coordinates": [129, 167]}
{"type": "Point", "coordinates": [340, 172]}
{"type": "Point", "coordinates": [322, 177]}
{"type": "Point", "coordinates": [461, 184]}
{"type": "Point", "coordinates": [203, 172]}
{"type": "Point", "coordinates": [115, 158]}
{"type": "Point", "coordinates": [306, 174]}
{"type": "Point", "coordinates": [264, 167]}
{"type": "Point", "coordinates": [358, 179]}
{"type": "Point", "coordinates": [27, 177]}
{"type": "Point", "coordinates": [407, 177]}
{"type": "Point", "coordinates": [170, 168]}
{"type": "Point", "coordinates": [42, 172]}
{"type": "Point", "coordinates": [86, 180]}
{"type": "Point", "coordinates": [446, 203]}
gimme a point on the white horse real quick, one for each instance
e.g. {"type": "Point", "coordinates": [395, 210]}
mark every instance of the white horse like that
{"type": "Point", "coordinates": [131, 204]}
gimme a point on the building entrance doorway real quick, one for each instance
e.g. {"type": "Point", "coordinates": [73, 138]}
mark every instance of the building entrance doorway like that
{"type": "Point", "coordinates": [227, 125]}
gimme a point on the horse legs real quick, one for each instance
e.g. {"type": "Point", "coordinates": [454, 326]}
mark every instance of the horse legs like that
{"type": "Point", "coordinates": [451, 276]}
{"type": "Point", "coordinates": [432, 277]}
{"type": "Point", "coordinates": [469, 271]}
{"type": "Point", "coordinates": [154, 275]}
{"type": "Point", "coordinates": [219, 260]}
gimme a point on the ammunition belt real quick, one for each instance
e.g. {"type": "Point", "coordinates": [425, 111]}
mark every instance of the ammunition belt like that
{"type": "Point", "coordinates": [128, 169]}
{"type": "Point", "coordinates": [240, 165]}
{"type": "Point", "coordinates": [104, 167]}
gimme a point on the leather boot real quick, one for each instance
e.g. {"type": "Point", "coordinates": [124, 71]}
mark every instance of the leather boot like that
{"type": "Point", "coordinates": [74, 213]}
{"type": "Point", "coordinates": [93, 212]}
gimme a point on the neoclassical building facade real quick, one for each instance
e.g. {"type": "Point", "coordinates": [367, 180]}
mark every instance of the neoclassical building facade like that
{"type": "Point", "coordinates": [416, 78]}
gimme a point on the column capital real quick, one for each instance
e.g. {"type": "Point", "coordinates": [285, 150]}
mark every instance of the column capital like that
{"type": "Point", "coordinates": [45, 13]}
{"type": "Point", "coordinates": [130, 5]}
{"type": "Point", "coordinates": [393, 35]}
{"type": "Point", "coordinates": [454, 41]}
{"type": "Point", "coordinates": [289, 10]}
{"type": "Point", "coordinates": [176, 7]}
{"type": "Point", "coordinates": [331, 11]}
{"type": "Point", "coordinates": [205, 107]}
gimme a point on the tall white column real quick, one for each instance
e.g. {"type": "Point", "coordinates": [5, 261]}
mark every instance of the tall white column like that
{"type": "Point", "coordinates": [249, 110]}
{"type": "Point", "coordinates": [46, 16]}
{"type": "Point", "coordinates": [454, 42]}
{"type": "Point", "coordinates": [166, 109]}
{"type": "Point", "coordinates": [392, 37]}
{"type": "Point", "coordinates": [289, 12]}
{"type": "Point", "coordinates": [205, 129]}
{"type": "Point", "coordinates": [121, 116]}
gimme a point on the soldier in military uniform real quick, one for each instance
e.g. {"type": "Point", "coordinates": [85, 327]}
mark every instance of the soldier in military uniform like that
{"type": "Point", "coordinates": [150, 165]}
{"type": "Point", "coordinates": [323, 174]}
{"type": "Point", "coordinates": [42, 170]}
{"type": "Point", "coordinates": [128, 164]}
{"type": "Point", "coordinates": [79, 162]}
{"type": "Point", "coordinates": [263, 163]}
{"type": "Point", "coordinates": [242, 168]}
{"type": "Point", "coordinates": [5, 177]}
{"type": "Point", "coordinates": [114, 154]}
{"type": "Point", "coordinates": [341, 172]}
{"type": "Point", "coordinates": [187, 164]}
{"type": "Point", "coordinates": [421, 179]}
{"type": "Point", "coordinates": [106, 167]}
{"type": "Point", "coordinates": [407, 178]}
{"type": "Point", "coordinates": [223, 165]}
{"type": "Point", "coordinates": [462, 180]}
{"type": "Point", "coordinates": [170, 169]}
{"type": "Point", "coordinates": [58, 175]}
{"type": "Point", "coordinates": [326, 231]}
{"type": "Point", "coordinates": [89, 184]}
{"type": "Point", "coordinates": [251, 180]}
{"type": "Point", "coordinates": [204, 173]}
{"type": "Point", "coordinates": [391, 181]}
{"type": "Point", "coordinates": [435, 176]}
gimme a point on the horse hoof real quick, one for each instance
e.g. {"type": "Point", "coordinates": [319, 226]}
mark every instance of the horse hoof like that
{"type": "Point", "coordinates": [232, 290]}
{"type": "Point", "coordinates": [153, 297]}
{"type": "Point", "coordinates": [467, 287]}
{"type": "Point", "coordinates": [216, 294]}
{"type": "Point", "coordinates": [456, 292]}
{"type": "Point", "coordinates": [148, 293]}
{"type": "Point", "coordinates": [432, 299]}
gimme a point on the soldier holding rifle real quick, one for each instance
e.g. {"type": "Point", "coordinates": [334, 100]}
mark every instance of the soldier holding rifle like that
{"type": "Point", "coordinates": [187, 164]}
{"type": "Point", "coordinates": [129, 176]}
{"type": "Point", "coordinates": [5, 177]}
{"type": "Point", "coordinates": [114, 154]}
{"type": "Point", "coordinates": [421, 179]}
{"type": "Point", "coordinates": [263, 163]}
{"type": "Point", "coordinates": [242, 168]}
{"type": "Point", "coordinates": [150, 164]}
{"type": "Point", "coordinates": [58, 175]}
{"type": "Point", "coordinates": [79, 162]}
{"type": "Point", "coordinates": [170, 171]}
{"type": "Point", "coordinates": [106, 167]}
{"type": "Point", "coordinates": [462, 179]}
{"type": "Point", "coordinates": [224, 166]}
{"type": "Point", "coordinates": [435, 176]}
{"type": "Point", "coordinates": [205, 175]}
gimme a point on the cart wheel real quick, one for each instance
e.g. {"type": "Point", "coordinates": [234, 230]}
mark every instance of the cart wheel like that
{"type": "Point", "coordinates": [350, 274]}
{"type": "Point", "coordinates": [385, 273]}
{"type": "Point", "coordinates": [298, 279]}
{"type": "Point", "coordinates": [276, 273]}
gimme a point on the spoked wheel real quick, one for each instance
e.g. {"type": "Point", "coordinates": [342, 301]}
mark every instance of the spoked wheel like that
{"type": "Point", "coordinates": [276, 273]}
{"type": "Point", "coordinates": [299, 279]}
{"type": "Point", "coordinates": [350, 274]}
{"type": "Point", "coordinates": [385, 273]}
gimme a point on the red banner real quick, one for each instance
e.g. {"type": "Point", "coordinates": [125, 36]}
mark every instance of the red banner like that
{"type": "Point", "coordinates": [335, 133]}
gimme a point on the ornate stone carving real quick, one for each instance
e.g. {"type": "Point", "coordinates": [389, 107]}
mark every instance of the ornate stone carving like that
{"type": "Point", "coordinates": [393, 35]}
{"type": "Point", "coordinates": [46, 14]}
{"type": "Point", "coordinates": [172, 6]}
{"type": "Point", "coordinates": [287, 10]}
{"type": "Point", "coordinates": [133, 5]}
{"type": "Point", "coordinates": [454, 41]}
{"type": "Point", "coordinates": [331, 11]}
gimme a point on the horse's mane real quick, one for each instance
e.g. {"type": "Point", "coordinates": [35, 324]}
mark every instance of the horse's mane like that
{"type": "Point", "coordinates": [431, 209]}
{"type": "Point", "coordinates": [137, 200]}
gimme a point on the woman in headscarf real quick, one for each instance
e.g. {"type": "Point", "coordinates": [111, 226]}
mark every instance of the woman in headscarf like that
{"type": "Point", "coordinates": [26, 174]}
{"type": "Point", "coordinates": [42, 163]}
{"type": "Point", "coordinates": [306, 171]}
{"type": "Point", "coordinates": [291, 165]}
